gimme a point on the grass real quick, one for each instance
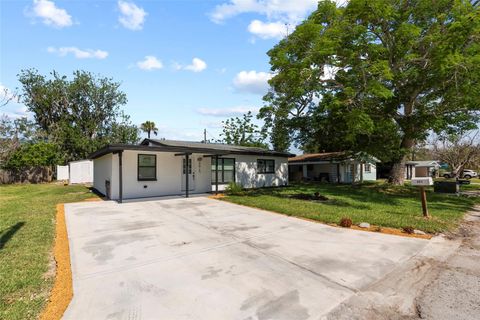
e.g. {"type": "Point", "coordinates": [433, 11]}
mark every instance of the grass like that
{"type": "Point", "coordinates": [376, 203]}
{"type": "Point", "coordinates": [27, 224]}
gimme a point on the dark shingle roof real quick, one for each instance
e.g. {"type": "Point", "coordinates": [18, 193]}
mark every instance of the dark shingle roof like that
{"type": "Point", "coordinates": [188, 146]}
{"type": "Point", "coordinates": [214, 146]}
{"type": "Point", "coordinates": [332, 156]}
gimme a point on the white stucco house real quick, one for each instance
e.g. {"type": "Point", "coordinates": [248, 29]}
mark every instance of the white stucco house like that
{"type": "Point", "coordinates": [334, 167]}
{"type": "Point", "coordinates": [167, 167]}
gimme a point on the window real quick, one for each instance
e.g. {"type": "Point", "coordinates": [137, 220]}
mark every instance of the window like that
{"type": "Point", "coordinates": [265, 166]}
{"type": "Point", "coordinates": [368, 167]}
{"type": "Point", "coordinates": [147, 167]}
{"type": "Point", "coordinates": [226, 170]}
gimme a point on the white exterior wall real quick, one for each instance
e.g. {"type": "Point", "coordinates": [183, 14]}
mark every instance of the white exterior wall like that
{"type": "Point", "coordinates": [81, 171]}
{"type": "Point", "coordinates": [169, 175]}
{"type": "Point", "coordinates": [246, 172]}
{"type": "Point", "coordinates": [102, 170]}
{"type": "Point", "coordinates": [372, 175]}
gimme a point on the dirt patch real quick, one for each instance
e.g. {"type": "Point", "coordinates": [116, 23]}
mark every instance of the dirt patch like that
{"type": "Point", "coordinates": [62, 291]}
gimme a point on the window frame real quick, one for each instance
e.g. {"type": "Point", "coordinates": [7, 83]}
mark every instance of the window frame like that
{"type": "Point", "coordinates": [265, 162]}
{"type": "Point", "coordinates": [221, 169]}
{"type": "Point", "coordinates": [139, 166]}
{"type": "Point", "coordinates": [369, 168]}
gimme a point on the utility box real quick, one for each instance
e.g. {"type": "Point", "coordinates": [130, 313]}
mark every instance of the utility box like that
{"type": "Point", "coordinates": [446, 187]}
{"type": "Point", "coordinates": [422, 182]}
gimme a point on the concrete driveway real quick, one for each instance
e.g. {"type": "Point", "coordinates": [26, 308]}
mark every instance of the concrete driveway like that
{"type": "Point", "coordinates": [200, 258]}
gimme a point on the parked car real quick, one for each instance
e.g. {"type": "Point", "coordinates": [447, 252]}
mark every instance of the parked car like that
{"type": "Point", "coordinates": [467, 174]}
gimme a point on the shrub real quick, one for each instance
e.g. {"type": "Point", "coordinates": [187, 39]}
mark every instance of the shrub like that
{"type": "Point", "coordinates": [34, 154]}
{"type": "Point", "coordinates": [234, 189]}
{"type": "Point", "coordinates": [346, 222]}
{"type": "Point", "coordinates": [408, 229]}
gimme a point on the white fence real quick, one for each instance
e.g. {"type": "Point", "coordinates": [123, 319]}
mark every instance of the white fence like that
{"type": "Point", "coordinates": [81, 171]}
{"type": "Point", "coordinates": [62, 173]}
{"type": "Point", "coordinates": [76, 172]}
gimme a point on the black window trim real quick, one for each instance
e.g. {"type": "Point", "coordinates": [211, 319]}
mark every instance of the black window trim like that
{"type": "Point", "coordinates": [221, 169]}
{"type": "Point", "coordinates": [138, 167]}
{"type": "Point", "coordinates": [266, 172]}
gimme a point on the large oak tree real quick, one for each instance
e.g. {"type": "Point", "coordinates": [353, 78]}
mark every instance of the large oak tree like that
{"type": "Point", "coordinates": [376, 76]}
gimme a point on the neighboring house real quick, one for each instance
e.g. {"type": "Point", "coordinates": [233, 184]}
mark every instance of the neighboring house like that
{"type": "Point", "coordinates": [427, 168]}
{"type": "Point", "coordinates": [335, 167]}
{"type": "Point", "coordinates": [166, 167]}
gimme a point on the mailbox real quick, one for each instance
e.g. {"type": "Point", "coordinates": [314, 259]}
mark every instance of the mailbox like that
{"type": "Point", "coordinates": [423, 181]}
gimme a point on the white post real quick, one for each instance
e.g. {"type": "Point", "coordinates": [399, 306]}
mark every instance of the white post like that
{"type": "Point", "coordinates": [305, 171]}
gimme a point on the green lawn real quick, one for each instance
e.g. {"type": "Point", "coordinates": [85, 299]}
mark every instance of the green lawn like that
{"type": "Point", "coordinates": [377, 203]}
{"type": "Point", "coordinates": [27, 230]}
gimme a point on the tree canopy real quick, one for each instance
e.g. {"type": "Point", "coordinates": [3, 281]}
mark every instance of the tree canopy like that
{"type": "Point", "coordinates": [242, 132]}
{"type": "Point", "coordinates": [376, 76]}
{"type": "Point", "coordinates": [78, 115]}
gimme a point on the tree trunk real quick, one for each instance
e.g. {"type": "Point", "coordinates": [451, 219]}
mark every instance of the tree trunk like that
{"type": "Point", "coordinates": [397, 173]}
{"type": "Point", "coordinates": [148, 134]}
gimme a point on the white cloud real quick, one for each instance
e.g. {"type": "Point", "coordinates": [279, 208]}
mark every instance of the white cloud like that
{"type": "Point", "coordinates": [79, 53]}
{"type": "Point", "coordinates": [150, 63]}
{"type": "Point", "coordinates": [329, 72]}
{"type": "Point", "coordinates": [267, 30]}
{"type": "Point", "coordinates": [286, 10]}
{"type": "Point", "coordinates": [278, 13]}
{"type": "Point", "coordinates": [197, 65]}
{"type": "Point", "coordinates": [132, 17]}
{"type": "Point", "coordinates": [227, 112]}
{"type": "Point", "coordinates": [252, 82]}
{"type": "Point", "coordinates": [50, 14]}
{"type": "Point", "coordinates": [6, 94]}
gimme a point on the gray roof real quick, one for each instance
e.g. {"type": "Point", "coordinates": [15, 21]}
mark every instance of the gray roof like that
{"type": "Point", "coordinates": [214, 146]}
{"type": "Point", "coordinates": [188, 147]}
{"type": "Point", "coordinates": [424, 163]}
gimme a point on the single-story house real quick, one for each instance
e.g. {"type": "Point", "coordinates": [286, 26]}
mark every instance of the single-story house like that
{"type": "Point", "coordinates": [427, 168]}
{"type": "Point", "coordinates": [335, 167]}
{"type": "Point", "coordinates": [167, 167]}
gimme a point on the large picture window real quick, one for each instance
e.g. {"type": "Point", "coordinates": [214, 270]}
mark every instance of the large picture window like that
{"type": "Point", "coordinates": [265, 166]}
{"type": "Point", "coordinates": [147, 167]}
{"type": "Point", "coordinates": [226, 170]}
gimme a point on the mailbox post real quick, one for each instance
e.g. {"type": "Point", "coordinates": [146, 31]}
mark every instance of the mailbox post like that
{"type": "Point", "coordinates": [422, 183]}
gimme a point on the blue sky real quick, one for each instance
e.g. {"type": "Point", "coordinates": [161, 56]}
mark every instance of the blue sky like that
{"type": "Point", "coordinates": [186, 65]}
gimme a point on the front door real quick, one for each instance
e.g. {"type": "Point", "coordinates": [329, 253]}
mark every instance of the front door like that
{"type": "Point", "coordinates": [191, 174]}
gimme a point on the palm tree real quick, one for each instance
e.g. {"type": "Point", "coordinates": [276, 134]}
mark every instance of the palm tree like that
{"type": "Point", "coordinates": [148, 127]}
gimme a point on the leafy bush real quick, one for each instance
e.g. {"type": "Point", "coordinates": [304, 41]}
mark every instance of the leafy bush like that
{"type": "Point", "coordinates": [346, 222]}
{"type": "Point", "coordinates": [34, 154]}
{"type": "Point", "coordinates": [234, 189]}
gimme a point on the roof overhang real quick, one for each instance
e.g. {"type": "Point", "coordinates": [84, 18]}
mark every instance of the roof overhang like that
{"type": "Point", "coordinates": [115, 148]}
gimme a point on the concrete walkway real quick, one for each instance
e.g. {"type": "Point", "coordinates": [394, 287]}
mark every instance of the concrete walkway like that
{"type": "Point", "coordinates": [200, 258]}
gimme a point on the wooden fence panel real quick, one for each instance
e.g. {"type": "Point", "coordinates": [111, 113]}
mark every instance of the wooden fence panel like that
{"type": "Point", "coordinates": [26, 175]}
